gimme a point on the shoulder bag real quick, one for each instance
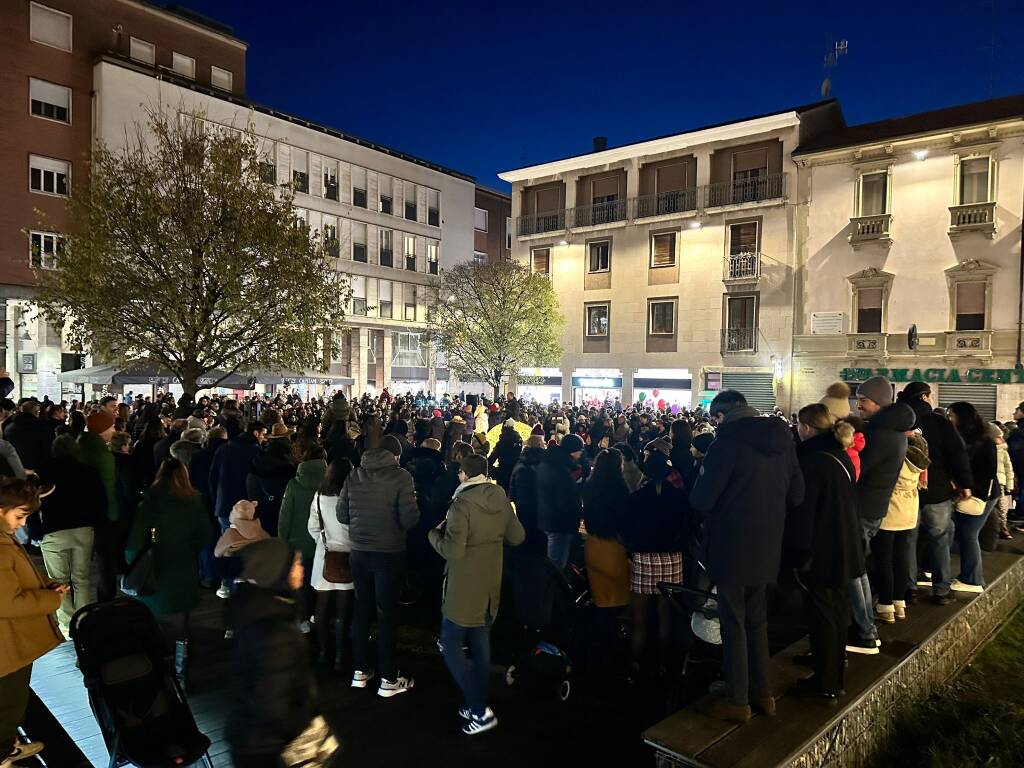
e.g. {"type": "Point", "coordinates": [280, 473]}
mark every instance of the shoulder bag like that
{"type": "Point", "coordinates": [139, 578]}
{"type": "Point", "coordinates": [336, 564]}
{"type": "Point", "coordinates": [973, 505]}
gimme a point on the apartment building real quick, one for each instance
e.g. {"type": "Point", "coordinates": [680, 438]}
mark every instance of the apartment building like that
{"type": "Point", "coordinates": [914, 223]}
{"type": "Point", "coordinates": [672, 259]}
{"type": "Point", "coordinates": [47, 51]}
{"type": "Point", "coordinates": [492, 225]}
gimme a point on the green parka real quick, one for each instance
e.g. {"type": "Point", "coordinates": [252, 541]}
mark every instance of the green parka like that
{"type": "Point", "coordinates": [293, 522]}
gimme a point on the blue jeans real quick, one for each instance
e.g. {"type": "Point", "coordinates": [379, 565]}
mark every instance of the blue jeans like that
{"type": "Point", "coordinates": [472, 674]}
{"type": "Point", "coordinates": [967, 529]}
{"type": "Point", "coordinates": [862, 612]}
{"type": "Point", "coordinates": [560, 547]}
{"type": "Point", "coordinates": [936, 526]}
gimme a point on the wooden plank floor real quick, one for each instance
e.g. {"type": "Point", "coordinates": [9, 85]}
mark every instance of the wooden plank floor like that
{"type": "Point", "coordinates": [700, 740]}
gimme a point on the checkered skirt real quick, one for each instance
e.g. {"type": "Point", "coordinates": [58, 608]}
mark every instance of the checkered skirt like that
{"type": "Point", "coordinates": [646, 569]}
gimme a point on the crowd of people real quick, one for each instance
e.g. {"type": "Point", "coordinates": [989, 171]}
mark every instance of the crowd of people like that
{"type": "Point", "coordinates": [309, 516]}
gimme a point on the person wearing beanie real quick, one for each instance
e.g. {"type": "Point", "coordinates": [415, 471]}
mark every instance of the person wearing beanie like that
{"type": "Point", "coordinates": [559, 504]}
{"type": "Point", "coordinates": [949, 478]}
{"type": "Point", "coordinates": [275, 697]}
{"type": "Point", "coordinates": [837, 400]}
{"type": "Point", "coordinates": [479, 522]}
{"type": "Point", "coordinates": [112, 530]}
{"type": "Point", "coordinates": [391, 444]}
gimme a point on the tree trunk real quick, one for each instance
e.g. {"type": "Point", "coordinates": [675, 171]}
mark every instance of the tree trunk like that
{"type": "Point", "coordinates": [189, 376]}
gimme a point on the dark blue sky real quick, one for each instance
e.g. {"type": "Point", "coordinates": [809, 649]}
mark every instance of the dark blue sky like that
{"type": "Point", "coordinates": [484, 87]}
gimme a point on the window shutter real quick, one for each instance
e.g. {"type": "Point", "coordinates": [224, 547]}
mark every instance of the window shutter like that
{"type": "Point", "coordinates": [345, 182]}
{"type": "Point", "coordinates": [970, 298]}
{"type": "Point", "coordinates": [750, 160]}
{"type": "Point", "coordinates": [663, 249]}
{"type": "Point", "coordinates": [670, 178]}
{"type": "Point", "coordinates": [421, 204]}
{"type": "Point", "coordinates": [51, 93]}
{"type": "Point", "coordinates": [383, 187]}
{"type": "Point", "coordinates": [371, 191]}
{"type": "Point", "coordinates": [607, 186]}
{"type": "Point", "coordinates": [358, 177]}
{"type": "Point", "coordinates": [547, 200]}
{"type": "Point", "coordinates": [743, 238]}
{"type": "Point", "coordinates": [50, 27]}
{"type": "Point", "coordinates": [316, 176]}
{"type": "Point", "coordinates": [284, 163]}
{"type": "Point", "coordinates": [542, 261]}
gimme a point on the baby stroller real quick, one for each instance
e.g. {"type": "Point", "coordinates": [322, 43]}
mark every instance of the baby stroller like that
{"type": "Point", "coordinates": [140, 708]}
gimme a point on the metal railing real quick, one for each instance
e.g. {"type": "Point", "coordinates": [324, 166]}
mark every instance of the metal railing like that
{"type": "Point", "coordinates": [870, 227]}
{"type": "Point", "coordinates": [665, 203]}
{"type": "Point", "coordinates": [752, 190]}
{"type": "Point", "coordinates": [972, 215]}
{"type": "Point", "coordinates": [536, 223]}
{"type": "Point", "coordinates": [598, 213]}
{"type": "Point", "coordinates": [739, 340]}
{"type": "Point", "coordinates": [742, 266]}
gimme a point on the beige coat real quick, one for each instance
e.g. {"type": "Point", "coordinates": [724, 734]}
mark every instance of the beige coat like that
{"type": "Point", "coordinates": [28, 628]}
{"type": "Point", "coordinates": [904, 502]}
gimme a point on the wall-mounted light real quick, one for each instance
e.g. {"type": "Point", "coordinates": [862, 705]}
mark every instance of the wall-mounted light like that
{"type": "Point", "coordinates": [563, 242]}
{"type": "Point", "coordinates": [920, 154]}
{"type": "Point", "coordinates": [695, 225]}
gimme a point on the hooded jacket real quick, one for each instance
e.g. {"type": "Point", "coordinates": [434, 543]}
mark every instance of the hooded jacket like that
{"type": "Point", "coordinates": [885, 447]}
{"type": "Point", "coordinates": [823, 534]}
{"type": "Point", "coordinates": [559, 505]}
{"type": "Point", "coordinates": [244, 529]}
{"type": "Point", "coordinates": [479, 521]}
{"type": "Point", "coordinates": [749, 478]}
{"type": "Point", "coordinates": [904, 503]}
{"type": "Point", "coordinates": [293, 523]}
{"type": "Point", "coordinates": [229, 470]}
{"type": "Point", "coordinates": [95, 452]}
{"type": "Point", "coordinates": [947, 452]}
{"type": "Point", "coordinates": [27, 604]}
{"type": "Point", "coordinates": [378, 503]}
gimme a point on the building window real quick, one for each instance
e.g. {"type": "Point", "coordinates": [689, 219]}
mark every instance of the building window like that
{"type": "Point", "coordinates": [221, 78]}
{"type": "Point", "coordinates": [975, 173]}
{"type": "Point", "coordinates": [743, 238]}
{"type": "Point", "coordinates": [540, 261]}
{"type": "Point", "coordinates": [330, 179]}
{"type": "Point", "coordinates": [663, 249]}
{"type": "Point", "coordinates": [874, 194]}
{"type": "Point", "coordinates": [358, 284]}
{"type": "Point", "coordinates": [409, 249]}
{"type": "Point", "coordinates": [662, 317]}
{"type": "Point", "coordinates": [183, 65]}
{"type": "Point", "coordinates": [44, 249]}
{"type": "Point", "coordinates": [433, 208]}
{"type": "Point", "coordinates": [869, 310]}
{"type": "Point", "coordinates": [410, 201]}
{"type": "Point", "coordinates": [479, 257]}
{"type": "Point", "coordinates": [508, 233]}
{"type": "Point", "coordinates": [359, 242]}
{"type": "Point", "coordinates": [970, 306]}
{"type": "Point", "coordinates": [267, 166]}
{"type": "Point", "coordinates": [386, 307]}
{"type": "Point", "coordinates": [387, 252]}
{"type": "Point", "coordinates": [49, 100]}
{"type": "Point", "coordinates": [740, 323]}
{"type": "Point", "coordinates": [48, 176]}
{"type": "Point", "coordinates": [140, 50]}
{"type": "Point", "coordinates": [597, 320]}
{"type": "Point", "coordinates": [479, 219]}
{"type": "Point", "coordinates": [330, 234]}
{"type": "Point", "coordinates": [49, 26]}
{"type": "Point", "coordinates": [358, 187]}
{"type": "Point", "coordinates": [386, 204]}
{"type": "Point", "coordinates": [599, 256]}
{"type": "Point", "coordinates": [300, 170]}
{"type": "Point", "coordinates": [410, 311]}
{"type": "Point", "coordinates": [432, 257]}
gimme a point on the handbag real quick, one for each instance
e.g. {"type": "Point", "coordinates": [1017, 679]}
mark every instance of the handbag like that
{"type": "Point", "coordinates": [973, 505]}
{"type": "Point", "coordinates": [313, 748]}
{"type": "Point", "coordinates": [139, 578]}
{"type": "Point", "coordinates": [336, 568]}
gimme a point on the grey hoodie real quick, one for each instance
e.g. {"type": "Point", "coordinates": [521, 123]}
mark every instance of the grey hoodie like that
{"type": "Point", "coordinates": [378, 503]}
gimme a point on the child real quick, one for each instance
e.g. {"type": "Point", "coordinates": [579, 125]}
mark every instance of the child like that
{"type": "Point", "coordinates": [1005, 478]}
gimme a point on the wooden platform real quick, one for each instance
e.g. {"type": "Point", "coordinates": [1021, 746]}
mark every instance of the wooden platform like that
{"type": "Point", "coordinates": [928, 648]}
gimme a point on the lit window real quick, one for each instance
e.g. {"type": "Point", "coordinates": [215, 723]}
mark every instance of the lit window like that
{"type": "Point", "coordinates": [183, 65]}
{"type": "Point", "coordinates": [49, 100]}
{"type": "Point", "coordinates": [432, 257]}
{"type": "Point", "coordinates": [599, 256]}
{"type": "Point", "coordinates": [597, 320]}
{"type": "Point", "coordinates": [410, 311]}
{"type": "Point", "coordinates": [479, 257]}
{"type": "Point", "coordinates": [330, 179]}
{"type": "Point", "coordinates": [740, 323]}
{"type": "Point", "coordinates": [874, 194]}
{"type": "Point", "coordinates": [386, 237]}
{"type": "Point", "coordinates": [974, 180]}
{"type": "Point", "coordinates": [44, 248]}
{"type": "Point", "coordinates": [140, 50]}
{"type": "Point", "coordinates": [409, 249]}
{"type": "Point", "coordinates": [221, 78]}
{"type": "Point", "coordinates": [49, 26]}
{"type": "Point", "coordinates": [540, 261]}
{"type": "Point", "coordinates": [663, 249]}
{"type": "Point", "coordinates": [743, 238]}
{"type": "Point", "coordinates": [48, 176]}
{"type": "Point", "coordinates": [479, 219]}
{"type": "Point", "coordinates": [662, 318]}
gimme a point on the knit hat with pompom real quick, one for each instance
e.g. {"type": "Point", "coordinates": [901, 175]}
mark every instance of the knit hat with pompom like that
{"type": "Point", "coordinates": [837, 400]}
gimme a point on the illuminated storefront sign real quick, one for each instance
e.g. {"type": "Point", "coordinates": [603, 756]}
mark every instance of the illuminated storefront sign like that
{"type": "Point", "coordinates": [592, 383]}
{"type": "Point", "coordinates": [937, 375]}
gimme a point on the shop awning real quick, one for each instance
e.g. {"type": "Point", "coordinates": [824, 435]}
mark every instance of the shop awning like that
{"type": "Point", "coordinates": [147, 372]}
{"type": "Point", "coordinates": [294, 377]}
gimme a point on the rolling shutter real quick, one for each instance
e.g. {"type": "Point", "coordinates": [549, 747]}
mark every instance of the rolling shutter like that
{"type": "Point", "coordinates": [758, 388]}
{"type": "Point", "coordinates": [981, 396]}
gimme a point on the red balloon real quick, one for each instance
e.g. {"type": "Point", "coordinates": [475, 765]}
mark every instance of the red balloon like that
{"type": "Point", "coordinates": [654, 392]}
{"type": "Point", "coordinates": [661, 405]}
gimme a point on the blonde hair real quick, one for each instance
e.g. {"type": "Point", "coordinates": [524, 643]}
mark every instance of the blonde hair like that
{"type": "Point", "coordinates": [817, 416]}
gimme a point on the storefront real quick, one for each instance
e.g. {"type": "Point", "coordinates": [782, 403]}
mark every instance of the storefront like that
{"type": "Point", "coordinates": [757, 386]}
{"type": "Point", "coordinates": [541, 385]}
{"type": "Point", "coordinates": [596, 386]}
{"type": "Point", "coordinates": [663, 388]}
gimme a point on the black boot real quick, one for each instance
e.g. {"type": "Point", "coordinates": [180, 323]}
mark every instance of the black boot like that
{"type": "Point", "coordinates": [323, 640]}
{"type": "Point", "coordinates": [181, 663]}
{"type": "Point", "coordinates": [340, 633]}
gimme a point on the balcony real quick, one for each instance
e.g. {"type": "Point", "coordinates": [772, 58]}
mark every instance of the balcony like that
{"type": "Point", "coordinates": [969, 343]}
{"type": "Point", "coordinates": [972, 217]}
{"type": "Point", "coordinates": [739, 340]}
{"type": "Point", "coordinates": [742, 267]}
{"type": "Point", "coordinates": [387, 257]}
{"type": "Point", "coordinates": [870, 228]}
{"type": "Point", "coordinates": [538, 223]}
{"type": "Point", "coordinates": [740, 191]}
{"type": "Point", "coordinates": [866, 345]}
{"type": "Point", "coordinates": [665, 203]}
{"type": "Point", "coordinates": [597, 214]}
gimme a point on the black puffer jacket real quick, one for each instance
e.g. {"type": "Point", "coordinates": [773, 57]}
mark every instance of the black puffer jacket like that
{"type": "Point", "coordinates": [655, 518]}
{"type": "Point", "coordinates": [378, 503]}
{"type": "Point", "coordinates": [274, 692]}
{"type": "Point", "coordinates": [522, 491]}
{"type": "Point", "coordinates": [559, 507]}
{"type": "Point", "coordinates": [78, 499]}
{"type": "Point", "coordinates": [426, 466]}
{"type": "Point", "coordinates": [31, 439]}
{"type": "Point", "coordinates": [268, 477]}
{"type": "Point", "coordinates": [749, 478]}
{"type": "Point", "coordinates": [885, 447]}
{"type": "Point", "coordinates": [823, 534]}
{"type": "Point", "coordinates": [982, 455]}
{"type": "Point", "coordinates": [949, 462]}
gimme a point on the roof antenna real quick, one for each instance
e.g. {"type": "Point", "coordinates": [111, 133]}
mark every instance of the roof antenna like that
{"type": "Point", "coordinates": [837, 48]}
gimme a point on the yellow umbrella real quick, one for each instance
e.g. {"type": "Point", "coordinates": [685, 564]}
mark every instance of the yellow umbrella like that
{"type": "Point", "coordinates": [524, 430]}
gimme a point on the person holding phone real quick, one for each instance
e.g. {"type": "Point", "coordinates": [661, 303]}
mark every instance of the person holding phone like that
{"type": "Point", "coordinates": [28, 627]}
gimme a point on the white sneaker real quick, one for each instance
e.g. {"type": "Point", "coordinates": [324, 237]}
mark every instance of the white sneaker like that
{"type": "Point", "coordinates": [886, 613]}
{"type": "Point", "coordinates": [22, 752]}
{"type": "Point", "coordinates": [223, 592]}
{"type": "Point", "coordinates": [389, 688]}
{"type": "Point", "coordinates": [480, 724]}
{"type": "Point", "coordinates": [900, 608]}
{"type": "Point", "coordinates": [360, 679]}
{"type": "Point", "coordinates": [958, 586]}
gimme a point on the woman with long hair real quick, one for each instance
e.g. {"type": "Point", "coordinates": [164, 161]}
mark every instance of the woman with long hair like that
{"type": "Point", "coordinates": [981, 451]}
{"type": "Point", "coordinates": [172, 519]}
{"type": "Point", "coordinates": [333, 600]}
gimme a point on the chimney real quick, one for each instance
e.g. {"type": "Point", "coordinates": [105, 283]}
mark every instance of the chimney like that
{"type": "Point", "coordinates": [600, 143]}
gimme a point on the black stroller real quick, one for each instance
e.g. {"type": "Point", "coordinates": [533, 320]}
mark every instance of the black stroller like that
{"type": "Point", "coordinates": [140, 708]}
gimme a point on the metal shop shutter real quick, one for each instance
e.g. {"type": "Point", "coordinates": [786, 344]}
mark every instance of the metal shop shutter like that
{"type": "Point", "coordinates": [758, 388]}
{"type": "Point", "coordinates": [981, 396]}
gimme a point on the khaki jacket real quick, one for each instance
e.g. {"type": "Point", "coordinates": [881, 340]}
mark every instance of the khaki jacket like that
{"type": "Point", "coordinates": [27, 625]}
{"type": "Point", "coordinates": [905, 500]}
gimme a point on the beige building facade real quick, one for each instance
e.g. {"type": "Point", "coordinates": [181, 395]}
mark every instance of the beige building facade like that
{"type": "Point", "coordinates": [672, 260]}
{"type": "Point", "coordinates": [913, 222]}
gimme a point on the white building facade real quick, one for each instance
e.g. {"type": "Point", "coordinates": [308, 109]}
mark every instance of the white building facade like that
{"type": "Point", "coordinates": [914, 222]}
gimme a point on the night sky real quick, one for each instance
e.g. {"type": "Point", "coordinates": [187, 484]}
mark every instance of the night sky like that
{"type": "Point", "coordinates": [484, 87]}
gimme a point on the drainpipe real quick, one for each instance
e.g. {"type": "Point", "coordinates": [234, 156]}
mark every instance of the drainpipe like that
{"type": "Point", "coordinates": [1020, 293]}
